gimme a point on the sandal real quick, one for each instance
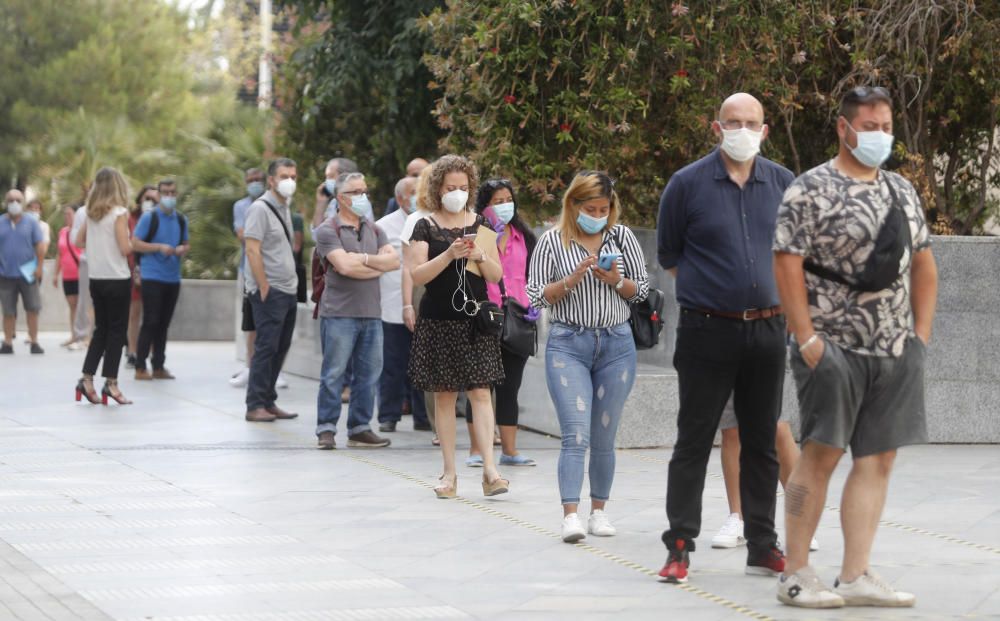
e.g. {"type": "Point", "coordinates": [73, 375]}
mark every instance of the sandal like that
{"type": "Point", "coordinates": [446, 490]}
{"type": "Point", "coordinates": [498, 486]}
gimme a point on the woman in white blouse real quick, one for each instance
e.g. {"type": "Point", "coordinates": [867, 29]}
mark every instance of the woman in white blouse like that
{"type": "Point", "coordinates": [590, 355]}
{"type": "Point", "coordinates": [105, 237]}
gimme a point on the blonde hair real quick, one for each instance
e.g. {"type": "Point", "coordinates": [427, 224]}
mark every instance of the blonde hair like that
{"type": "Point", "coordinates": [108, 191]}
{"type": "Point", "coordinates": [586, 186]}
{"type": "Point", "coordinates": [432, 179]}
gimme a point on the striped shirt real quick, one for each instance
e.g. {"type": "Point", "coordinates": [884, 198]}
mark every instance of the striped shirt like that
{"type": "Point", "coordinates": [591, 303]}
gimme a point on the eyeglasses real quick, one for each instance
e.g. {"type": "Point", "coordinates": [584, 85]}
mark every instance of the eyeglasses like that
{"type": "Point", "coordinates": [863, 93]}
{"type": "Point", "coordinates": [355, 193]}
{"type": "Point", "coordinates": [753, 126]}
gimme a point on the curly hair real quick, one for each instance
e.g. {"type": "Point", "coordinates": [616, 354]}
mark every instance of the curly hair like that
{"type": "Point", "coordinates": [429, 190]}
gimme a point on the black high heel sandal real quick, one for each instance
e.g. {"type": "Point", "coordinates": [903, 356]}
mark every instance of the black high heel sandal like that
{"type": "Point", "coordinates": [81, 390]}
{"type": "Point", "coordinates": [107, 393]}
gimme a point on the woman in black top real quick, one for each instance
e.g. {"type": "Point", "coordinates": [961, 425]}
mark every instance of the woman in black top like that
{"type": "Point", "coordinates": [448, 355]}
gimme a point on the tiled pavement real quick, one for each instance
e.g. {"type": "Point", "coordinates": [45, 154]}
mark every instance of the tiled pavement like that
{"type": "Point", "coordinates": [175, 508]}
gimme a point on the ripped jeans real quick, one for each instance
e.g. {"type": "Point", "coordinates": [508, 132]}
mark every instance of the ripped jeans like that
{"type": "Point", "coordinates": [589, 372]}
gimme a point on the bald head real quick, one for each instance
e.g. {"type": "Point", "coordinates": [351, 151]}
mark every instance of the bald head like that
{"type": "Point", "coordinates": [14, 195]}
{"type": "Point", "coordinates": [742, 104]}
{"type": "Point", "coordinates": [415, 166]}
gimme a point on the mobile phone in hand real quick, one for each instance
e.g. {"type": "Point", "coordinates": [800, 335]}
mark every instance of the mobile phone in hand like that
{"type": "Point", "coordinates": [607, 260]}
{"type": "Point", "coordinates": [469, 238]}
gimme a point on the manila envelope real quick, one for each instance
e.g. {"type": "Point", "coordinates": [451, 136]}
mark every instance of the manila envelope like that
{"type": "Point", "coordinates": [486, 240]}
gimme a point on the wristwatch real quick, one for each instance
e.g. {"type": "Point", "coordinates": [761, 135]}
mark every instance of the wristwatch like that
{"type": "Point", "coordinates": [621, 283]}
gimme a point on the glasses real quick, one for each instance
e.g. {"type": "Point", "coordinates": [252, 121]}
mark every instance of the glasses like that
{"type": "Point", "coordinates": [753, 126]}
{"type": "Point", "coordinates": [355, 193]}
{"type": "Point", "coordinates": [864, 93]}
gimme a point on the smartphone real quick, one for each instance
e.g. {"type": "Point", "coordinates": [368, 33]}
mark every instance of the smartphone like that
{"type": "Point", "coordinates": [606, 260]}
{"type": "Point", "coordinates": [470, 238]}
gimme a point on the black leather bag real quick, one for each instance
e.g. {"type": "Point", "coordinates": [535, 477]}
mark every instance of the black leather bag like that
{"type": "Point", "coordinates": [488, 320]}
{"type": "Point", "coordinates": [519, 336]}
{"type": "Point", "coordinates": [645, 317]}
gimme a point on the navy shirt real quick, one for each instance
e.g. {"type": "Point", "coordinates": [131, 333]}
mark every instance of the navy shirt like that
{"type": "Point", "coordinates": [719, 236]}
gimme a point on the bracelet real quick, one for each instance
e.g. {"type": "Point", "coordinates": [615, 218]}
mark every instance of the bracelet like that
{"type": "Point", "coordinates": [566, 287]}
{"type": "Point", "coordinates": [809, 341]}
{"type": "Point", "coordinates": [366, 258]}
{"type": "Point", "coordinates": [408, 306]}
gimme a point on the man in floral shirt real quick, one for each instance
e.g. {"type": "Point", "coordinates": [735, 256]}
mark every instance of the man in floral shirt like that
{"type": "Point", "coordinates": [858, 356]}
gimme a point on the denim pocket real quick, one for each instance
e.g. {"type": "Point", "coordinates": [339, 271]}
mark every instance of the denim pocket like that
{"type": "Point", "coordinates": [559, 331]}
{"type": "Point", "coordinates": [622, 329]}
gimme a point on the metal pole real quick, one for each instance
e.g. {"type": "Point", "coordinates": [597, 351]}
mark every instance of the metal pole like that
{"type": "Point", "coordinates": [264, 81]}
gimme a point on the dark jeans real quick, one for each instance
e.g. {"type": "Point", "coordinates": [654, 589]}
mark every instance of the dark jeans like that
{"type": "Point", "coordinates": [394, 386]}
{"type": "Point", "coordinates": [158, 302]}
{"type": "Point", "coordinates": [275, 321]}
{"type": "Point", "coordinates": [715, 357]}
{"type": "Point", "coordinates": [505, 392]}
{"type": "Point", "coordinates": [111, 300]}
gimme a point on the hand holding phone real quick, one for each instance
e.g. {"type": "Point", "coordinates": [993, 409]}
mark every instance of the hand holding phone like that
{"type": "Point", "coordinates": [607, 260]}
{"type": "Point", "coordinates": [469, 238]}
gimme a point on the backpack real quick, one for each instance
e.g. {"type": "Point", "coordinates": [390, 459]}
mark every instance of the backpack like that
{"type": "Point", "coordinates": [319, 266]}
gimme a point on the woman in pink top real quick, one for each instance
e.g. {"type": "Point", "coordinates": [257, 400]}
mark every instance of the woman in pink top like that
{"type": "Point", "coordinates": [515, 242]}
{"type": "Point", "coordinates": [68, 266]}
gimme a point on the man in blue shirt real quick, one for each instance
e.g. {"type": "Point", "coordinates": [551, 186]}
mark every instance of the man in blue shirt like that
{"type": "Point", "coordinates": [161, 239]}
{"type": "Point", "coordinates": [21, 241]}
{"type": "Point", "coordinates": [714, 235]}
{"type": "Point", "coordinates": [254, 179]}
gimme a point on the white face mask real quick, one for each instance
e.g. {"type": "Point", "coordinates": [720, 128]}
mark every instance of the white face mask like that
{"type": "Point", "coordinates": [741, 144]}
{"type": "Point", "coordinates": [286, 187]}
{"type": "Point", "coordinates": [147, 206]}
{"type": "Point", "coordinates": [14, 208]}
{"type": "Point", "coordinates": [455, 200]}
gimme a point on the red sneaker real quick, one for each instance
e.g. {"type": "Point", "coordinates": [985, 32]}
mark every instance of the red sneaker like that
{"type": "Point", "coordinates": [675, 571]}
{"type": "Point", "coordinates": [767, 562]}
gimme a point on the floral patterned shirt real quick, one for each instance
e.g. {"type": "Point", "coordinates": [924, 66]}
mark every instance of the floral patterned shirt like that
{"type": "Point", "coordinates": [833, 220]}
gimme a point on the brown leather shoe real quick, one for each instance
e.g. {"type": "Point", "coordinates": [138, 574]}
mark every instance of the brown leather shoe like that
{"type": "Point", "coordinates": [162, 374]}
{"type": "Point", "coordinates": [142, 374]}
{"type": "Point", "coordinates": [326, 441]}
{"type": "Point", "coordinates": [281, 414]}
{"type": "Point", "coordinates": [260, 415]}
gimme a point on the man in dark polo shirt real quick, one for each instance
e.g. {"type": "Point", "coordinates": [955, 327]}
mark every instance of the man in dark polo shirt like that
{"type": "Point", "coordinates": [356, 253]}
{"type": "Point", "coordinates": [714, 235]}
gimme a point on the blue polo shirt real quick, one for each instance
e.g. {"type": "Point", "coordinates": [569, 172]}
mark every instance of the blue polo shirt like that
{"type": "Point", "coordinates": [719, 236]}
{"type": "Point", "coordinates": [240, 208]}
{"type": "Point", "coordinates": [154, 265]}
{"type": "Point", "coordinates": [17, 244]}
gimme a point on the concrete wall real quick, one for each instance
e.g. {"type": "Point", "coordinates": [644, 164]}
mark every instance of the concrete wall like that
{"type": "Point", "coordinates": [204, 311]}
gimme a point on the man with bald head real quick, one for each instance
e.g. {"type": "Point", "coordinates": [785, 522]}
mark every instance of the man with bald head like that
{"type": "Point", "coordinates": [714, 235]}
{"type": "Point", "coordinates": [21, 241]}
{"type": "Point", "coordinates": [413, 170]}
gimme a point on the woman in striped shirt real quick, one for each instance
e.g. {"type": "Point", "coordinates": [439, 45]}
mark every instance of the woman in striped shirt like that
{"type": "Point", "coordinates": [590, 354]}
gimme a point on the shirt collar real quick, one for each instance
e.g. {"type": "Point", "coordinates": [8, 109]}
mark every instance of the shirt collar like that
{"type": "Point", "coordinates": [339, 222]}
{"type": "Point", "coordinates": [720, 168]}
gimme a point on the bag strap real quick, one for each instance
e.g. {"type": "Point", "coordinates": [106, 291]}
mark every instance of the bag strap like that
{"type": "Point", "coordinates": [281, 220]}
{"type": "Point", "coordinates": [69, 247]}
{"type": "Point", "coordinates": [154, 226]}
{"type": "Point", "coordinates": [621, 246]}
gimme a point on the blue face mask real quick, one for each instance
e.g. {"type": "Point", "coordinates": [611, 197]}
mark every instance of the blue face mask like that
{"type": "Point", "coordinates": [413, 203]}
{"type": "Point", "coordinates": [360, 205]}
{"type": "Point", "coordinates": [34, 215]}
{"type": "Point", "coordinates": [873, 148]}
{"type": "Point", "coordinates": [591, 225]}
{"type": "Point", "coordinates": [168, 202]}
{"type": "Point", "coordinates": [504, 212]}
{"type": "Point", "coordinates": [331, 186]}
{"type": "Point", "coordinates": [255, 189]}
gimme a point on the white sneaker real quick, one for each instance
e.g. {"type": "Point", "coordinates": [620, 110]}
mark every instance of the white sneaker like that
{"type": "Point", "coordinates": [804, 589]}
{"type": "Point", "coordinates": [240, 379]}
{"type": "Point", "coordinates": [871, 590]}
{"type": "Point", "coordinates": [572, 529]}
{"type": "Point", "coordinates": [731, 533]}
{"type": "Point", "coordinates": [281, 382]}
{"type": "Point", "coordinates": [813, 545]}
{"type": "Point", "coordinates": [599, 525]}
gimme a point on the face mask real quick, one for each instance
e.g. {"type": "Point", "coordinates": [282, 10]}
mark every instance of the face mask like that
{"type": "Point", "coordinates": [331, 186]}
{"type": "Point", "coordinates": [504, 212]}
{"type": "Point", "coordinates": [255, 189]}
{"type": "Point", "coordinates": [168, 203]}
{"type": "Point", "coordinates": [413, 203]}
{"type": "Point", "coordinates": [360, 205]}
{"type": "Point", "coordinates": [873, 147]}
{"type": "Point", "coordinates": [286, 187]}
{"type": "Point", "coordinates": [455, 200]}
{"type": "Point", "coordinates": [34, 215]}
{"type": "Point", "coordinates": [591, 225]}
{"type": "Point", "coordinates": [14, 208]}
{"type": "Point", "coordinates": [741, 144]}
{"type": "Point", "coordinates": [147, 206]}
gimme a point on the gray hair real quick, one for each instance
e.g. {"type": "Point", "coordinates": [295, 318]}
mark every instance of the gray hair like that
{"type": "Point", "coordinates": [401, 185]}
{"type": "Point", "coordinates": [344, 165]}
{"type": "Point", "coordinates": [344, 177]}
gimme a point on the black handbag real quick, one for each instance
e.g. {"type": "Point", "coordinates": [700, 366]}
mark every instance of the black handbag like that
{"type": "Point", "coordinates": [645, 317]}
{"type": "Point", "coordinates": [519, 336]}
{"type": "Point", "coordinates": [488, 320]}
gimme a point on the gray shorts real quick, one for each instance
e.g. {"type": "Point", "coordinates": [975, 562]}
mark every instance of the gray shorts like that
{"type": "Point", "coordinates": [10, 288]}
{"type": "Point", "coordinates": [728, 420]}
{"type": "Point", "coordinates": [873, 404]}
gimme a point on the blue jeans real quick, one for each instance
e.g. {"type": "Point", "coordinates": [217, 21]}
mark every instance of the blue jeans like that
{"type": "Point", "coordinates": [275, 321]}
{"type": "Point", "coordinates": [590, 372]}
{"type": "Point", "coordinates": [394, 386]}
{"type": "Point", "coordinates": [354, 341]}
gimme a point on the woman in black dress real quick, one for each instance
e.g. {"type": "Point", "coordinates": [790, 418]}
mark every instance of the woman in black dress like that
{"type": "Point", "coordinates": [448, 355]}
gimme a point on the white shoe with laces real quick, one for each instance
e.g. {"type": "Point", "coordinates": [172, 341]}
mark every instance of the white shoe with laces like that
{"type": "Point", "coordinates": [869, 589]}
{"type": "Point", "coordinates": [805, 590]}
{"type": "Point", "coordinates": [599, 525]}
{"type": "Point", "coordinates": [731, 533]}
{"type": "Point", "coordinates": [572, 529]}
{"type": "Point", "coordinates": [281, 382]}
{"type": "Point", "coordinates": [240, 379]}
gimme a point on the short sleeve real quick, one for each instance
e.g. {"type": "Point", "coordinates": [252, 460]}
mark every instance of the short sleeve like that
{"type": "Point", "coordinates": [239, 215]}
{"type": "Point", "coordinates": [36, 233]}
{"type": "Point", "coordinates": [915, 215]}
{"type": "Point", "coordinates": [141, 227]}
{"type": "Point", "coordinates": [421, 231]}
{"type": "Point", "coordinates": [256, 225]}
{"type": "Point", "coordinates": [327, 240]}
{"type": "Point", "coordinates": [794, 225]}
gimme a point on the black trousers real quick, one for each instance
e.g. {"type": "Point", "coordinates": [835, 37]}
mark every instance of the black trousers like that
{"type": "Point", "coordinates": [159, 299]}
{"type": "Point", "coordinates": [713, 358]}
{"type": "Point", "coordinates": [111, 300]}
{"type": "Point", "coordinates": [275, 321]}
{"type": "Point", "coordinates": [505, 392]}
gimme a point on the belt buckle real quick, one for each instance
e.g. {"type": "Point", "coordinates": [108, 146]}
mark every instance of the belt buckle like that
{"type": "Point", "coordinates": [745, 314]}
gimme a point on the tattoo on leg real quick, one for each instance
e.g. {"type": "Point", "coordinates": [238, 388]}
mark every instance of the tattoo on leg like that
{"type": "Point", "coordinates": [795, 498]}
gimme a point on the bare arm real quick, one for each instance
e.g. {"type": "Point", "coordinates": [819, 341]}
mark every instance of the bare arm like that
{"type": "Point", "coordinates": [298, 240]}
{"type": "Point", "coordinates": [81, 237]}
{"type": "Point", "coordinates": [492, 270]}
{"type": "Point", "coordinates": [352, 264]}
{"type": "Point", "coordinates": [144, 247]}
{"type": "Point", "coordinates": [121, 235]}
{"type": "Point", "coordinates": [409, 313]}
{"type": "Point", "coordinates": [386, 260]}
{"type": "Point", "coordinates": [923, 292]}
{"type": "Point", "coordinates": [425, 270]}
{"type": "Point", "coordinates": [791, 280]}
{"type": "Point", "coordinates": [256, 262]}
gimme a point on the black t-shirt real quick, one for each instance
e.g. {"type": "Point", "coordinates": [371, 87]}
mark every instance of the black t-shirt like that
{"type": "Point", "coordinates": [443, 291]}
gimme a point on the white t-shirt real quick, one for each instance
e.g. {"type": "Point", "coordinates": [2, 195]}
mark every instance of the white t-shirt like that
{"type": "Point", "coordinates": [391, 283]}
{"type": "Point", "coordinates": [104, 259]}
{"type": "Point", "coordinates": [411, 221]}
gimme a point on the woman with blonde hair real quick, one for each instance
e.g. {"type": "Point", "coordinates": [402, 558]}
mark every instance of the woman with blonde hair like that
{"type": "Point", "coordinates": [105, 237]}
{"type": "Point", "coordinates": [449, 354]}
{"type": "Point", "coordinates": [585, 271]}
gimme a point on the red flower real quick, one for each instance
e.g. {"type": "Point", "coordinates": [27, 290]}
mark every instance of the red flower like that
{"type": "Point", "coordinates": [509, 99]}
{"type": "Point", "coordinates": [681, 73]}
{"type": "Point", "coordinates": [565, 127]}
{"type": "Point", "coordinates": [495, 50]}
